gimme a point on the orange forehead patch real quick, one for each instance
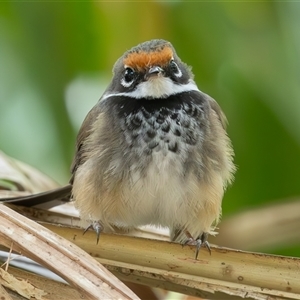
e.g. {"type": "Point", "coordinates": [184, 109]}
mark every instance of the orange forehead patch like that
{"type": "Point", "coordinates": [141, 60]}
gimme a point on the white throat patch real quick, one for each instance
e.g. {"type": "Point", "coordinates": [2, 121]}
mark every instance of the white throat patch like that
{"type": "Point", "coordinates": [157, 87]}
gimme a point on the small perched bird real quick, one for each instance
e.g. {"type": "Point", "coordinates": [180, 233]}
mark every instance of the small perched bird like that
{"type": "Point", "coordinates": [153, 150]}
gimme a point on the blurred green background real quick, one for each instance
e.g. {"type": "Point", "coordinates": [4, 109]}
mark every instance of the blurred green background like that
{"type": "Point", "coordinates": [56, 60]}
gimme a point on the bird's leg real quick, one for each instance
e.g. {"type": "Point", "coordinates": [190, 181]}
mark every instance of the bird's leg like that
{"type": "Point", "coordinates": [199, 242]}
{"type": "Point", "coordinates": [96, 225]}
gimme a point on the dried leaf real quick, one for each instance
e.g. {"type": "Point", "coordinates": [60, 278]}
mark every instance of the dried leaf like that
{"type": "Point", "coordinates": [60, 256]}
{"type": "Point", "coordinates": [4, 294]}
{"type": "Point", "coordinates": [21, 286]}
{"type": "Point", "coordinates": [18, 178]}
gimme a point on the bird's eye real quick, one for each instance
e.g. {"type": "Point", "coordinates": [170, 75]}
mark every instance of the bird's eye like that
{"type": "Point", "coordinates": [129, 75]}
{"type": "Point", "coordinates": [175, 69]}
{"type": "Point", "coordinates": [128, 78]}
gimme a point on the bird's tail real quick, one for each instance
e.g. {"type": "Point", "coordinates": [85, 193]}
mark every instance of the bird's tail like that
{"type": "Point", "coordinates": [62, 193]}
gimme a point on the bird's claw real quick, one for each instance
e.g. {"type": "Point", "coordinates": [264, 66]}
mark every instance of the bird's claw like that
{"type": "Point", "coordinates": [97, 227]}
{"type": "Point", "coordinates": [199, 242]}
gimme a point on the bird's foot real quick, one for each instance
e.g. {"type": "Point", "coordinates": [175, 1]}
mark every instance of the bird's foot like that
{"type": "Point", "coordinates": [199, 242]}
{"type": "Point", "coordinates": [97, 227]}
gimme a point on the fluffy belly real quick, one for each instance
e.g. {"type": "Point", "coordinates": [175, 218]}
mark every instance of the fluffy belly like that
{"type": "Point", "coordinates": [160, 195]}
{"type": "Point", "coordinates": [155, 196]}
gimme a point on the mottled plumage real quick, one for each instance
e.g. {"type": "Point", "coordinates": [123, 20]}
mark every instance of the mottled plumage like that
{"type": "Point", "coordinates": [153, 150]}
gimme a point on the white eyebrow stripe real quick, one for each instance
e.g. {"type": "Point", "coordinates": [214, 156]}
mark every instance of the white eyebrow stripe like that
{"type": "Point", "coordinates": [156, 89]}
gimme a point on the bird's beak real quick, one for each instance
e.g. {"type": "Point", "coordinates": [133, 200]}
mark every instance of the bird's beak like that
{"type": "Point", "coordinates": [154, 71]}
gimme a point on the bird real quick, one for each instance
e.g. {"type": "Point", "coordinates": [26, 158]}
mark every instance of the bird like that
{"type": "Point", "coordinates": [153, 151]}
